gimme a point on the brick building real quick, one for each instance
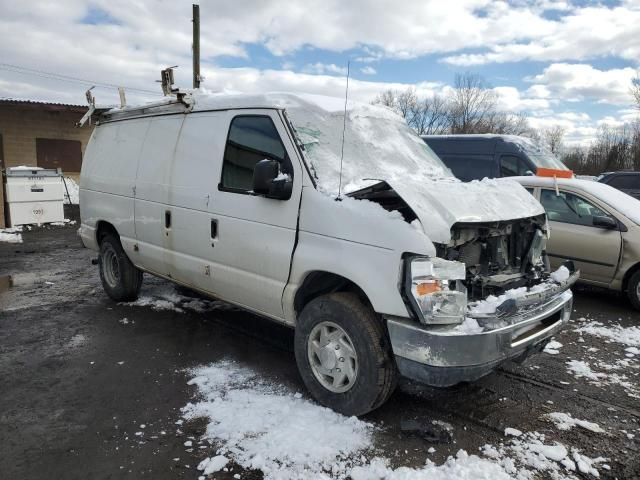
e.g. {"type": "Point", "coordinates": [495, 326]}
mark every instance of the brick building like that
{"type": "Point", "coordinates": [41, 134]}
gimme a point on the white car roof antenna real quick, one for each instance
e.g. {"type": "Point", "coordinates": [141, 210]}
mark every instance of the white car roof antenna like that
{"type": "Point", "coordinates": [344, 127]}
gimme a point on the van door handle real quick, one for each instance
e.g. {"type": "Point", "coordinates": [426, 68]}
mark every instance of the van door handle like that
{"type": "Point", "coordinates": [167, 219]}
{"type": "Point", "coordinates": [214, 229]}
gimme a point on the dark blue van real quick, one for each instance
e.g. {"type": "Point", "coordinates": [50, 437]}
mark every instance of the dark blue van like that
{"type": "Point", "coordinates": [474, 157]}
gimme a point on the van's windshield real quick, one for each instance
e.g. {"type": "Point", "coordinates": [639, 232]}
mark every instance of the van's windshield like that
{"type": "Point", "coordinates": [539, 155]}
{"type": "Point", "coordinates": [378, 145]}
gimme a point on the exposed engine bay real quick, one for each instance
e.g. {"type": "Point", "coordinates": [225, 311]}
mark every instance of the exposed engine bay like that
{"type": "Point", "coordinates": [498, 255]}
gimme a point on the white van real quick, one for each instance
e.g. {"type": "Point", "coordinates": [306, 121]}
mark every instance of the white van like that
{"type": "Point", "coordinates": [381, 260]}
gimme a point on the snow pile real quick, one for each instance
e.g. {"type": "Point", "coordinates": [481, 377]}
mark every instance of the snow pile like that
{"type": "Point", "coordinates": [166, 298]}
{"type": "Point", "coordinates": [562, 274]}
{"type": "Point", "coordinates": [564, 421]}
{"type": "Point", "coordinates": [462, 467]}
{"type": "Point", "coordinates": [378, 144]}
{"type": "Point", "coordinates": [72, 187]}
{"type": "Point", "coordinates": [469, 326]}
{"type": "Point", "coordinates": [491, 303]}
{"type": "Point", "coordinates": [553, 348]}
{"type": "Point", "coordinates": [269, 428]}
{"type": "Point", "coordinates": [11, 235]}
{"type": "Point", "coordinates": [212, 465]}
{"type": "Point", "coordinates": [531, 451]}
{"type": "Point", "coordinates": [625, 335]}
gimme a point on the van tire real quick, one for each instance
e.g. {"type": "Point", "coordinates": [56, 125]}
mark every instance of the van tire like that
{"type": "Point", "coordinates": [633, 290]}
{"type": "Point", "coordinates": [376, 373]}
{"type": "Point", "coordinates": [121, 280]}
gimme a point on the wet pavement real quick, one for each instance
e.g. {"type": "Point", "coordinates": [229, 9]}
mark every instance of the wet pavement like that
{"type": "Point", "coordinates": [93, 389]}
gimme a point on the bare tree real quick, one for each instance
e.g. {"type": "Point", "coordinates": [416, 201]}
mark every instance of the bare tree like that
{"type": "Point", "coordinates": [635, 89]}
{"type": "Point", "coordinates": [431, 116]}
{"type": "Point", "coordinates": [386, 98]}
{"type": "Point", "coordinates": [473, 105]}
{"type": "Point", "coordinates": [553, 137]}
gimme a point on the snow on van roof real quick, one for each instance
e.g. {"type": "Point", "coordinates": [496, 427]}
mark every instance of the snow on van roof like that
{"type": "Point", "coordinates": [623, 203]}
{"type": "Point", "coordinates": [280, 100]}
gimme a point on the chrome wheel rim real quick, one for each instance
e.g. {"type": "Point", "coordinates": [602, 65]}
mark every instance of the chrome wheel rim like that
{"type": "Point", "coordinates": [332, 357]}
{"type": "Point", "coordinates": [110, 266]}
{"type": "Point", "coordinates": [638, 291]}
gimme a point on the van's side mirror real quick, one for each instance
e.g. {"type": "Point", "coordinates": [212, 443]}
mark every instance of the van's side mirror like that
{"type": "Point", "coordinates": [264, 173]}
{"type": "Point", "coordinates": [605, 222]}
{"type": "Point", "coordinates": [268, 181]}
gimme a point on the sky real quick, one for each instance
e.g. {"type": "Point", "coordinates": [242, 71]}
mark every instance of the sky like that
{"type": "Point", "coordinates": [567, 63]}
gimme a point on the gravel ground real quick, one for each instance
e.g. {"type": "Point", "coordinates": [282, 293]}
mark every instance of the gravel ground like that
{"type": "Point", "coordinates": [80, 381]}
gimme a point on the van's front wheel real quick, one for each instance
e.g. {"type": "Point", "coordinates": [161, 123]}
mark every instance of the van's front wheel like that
{"type": "Point", "coordinates": [343, 354]}
{"type": "Point", "coordinates": [120, 278]}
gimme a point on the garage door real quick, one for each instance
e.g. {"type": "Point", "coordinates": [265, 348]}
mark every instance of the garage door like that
{"type": "Point", "coordinates": [55, 153]}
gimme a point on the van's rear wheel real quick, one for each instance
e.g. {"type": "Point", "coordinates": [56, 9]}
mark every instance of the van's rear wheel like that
{"type": "Point", "coordinates": [633, 290]}
{"type": "Point", "coordinates": [120, 278]}
{"type": "Point", "coordinates": [343, 354]}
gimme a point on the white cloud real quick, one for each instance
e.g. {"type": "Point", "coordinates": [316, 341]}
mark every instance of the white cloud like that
{"type": "Point", "coordinates": [587, 32]}
{"type": "Point", "coordinates": [251, 80]}
{"type": "Point", "coordinates": [510, 99]}
{"type": "Point", "coordinates": [325, 68]}
{"type": "Point", "coordinates": [578, 82]}
{"type": "Point", "coordinates": [368, 70]}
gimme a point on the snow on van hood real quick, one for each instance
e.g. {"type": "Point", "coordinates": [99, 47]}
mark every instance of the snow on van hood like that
{"type": "Point", "coordinates": [441, 203]}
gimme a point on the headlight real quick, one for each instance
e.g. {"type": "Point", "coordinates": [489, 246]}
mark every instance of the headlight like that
{"type": "Point", "coordinates": [436, 290]}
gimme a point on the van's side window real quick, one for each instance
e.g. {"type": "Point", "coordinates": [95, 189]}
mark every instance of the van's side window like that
{"type": "Point", "coordinates": [512, 166]}
{"type": "Point", "coordinates": [251, 138]}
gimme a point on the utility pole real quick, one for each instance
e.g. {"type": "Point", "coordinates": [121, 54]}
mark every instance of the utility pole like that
{"type": "Point", "coordinates": [196, 46]}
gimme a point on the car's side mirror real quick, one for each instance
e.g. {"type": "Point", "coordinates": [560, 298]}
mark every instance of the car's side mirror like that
{"type": "Point", "coordinates": [605, 222]}
{"type": "Point", "coordinates": [268, 181]}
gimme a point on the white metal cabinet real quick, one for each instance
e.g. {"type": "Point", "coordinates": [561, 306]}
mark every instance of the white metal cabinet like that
{"type": "Point", "coordinates": [34, 196]}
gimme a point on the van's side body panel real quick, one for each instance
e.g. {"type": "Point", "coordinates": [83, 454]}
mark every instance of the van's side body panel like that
{"type": "Point", "coordinates": [251, 254]}
{"type": "Point", "coordinates": [363, 245]}
{"type": "Point", "coordinates": [153, 182]}
{"type": "Point", "coordinates": [108, 179]}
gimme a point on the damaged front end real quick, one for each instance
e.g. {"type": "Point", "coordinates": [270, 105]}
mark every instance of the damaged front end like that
{"type": "Point", "coordinates": [486, 297]}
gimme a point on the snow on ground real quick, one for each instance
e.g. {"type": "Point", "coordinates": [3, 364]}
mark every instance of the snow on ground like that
{"type": "Point", "coordinates": [625, 335]}
{"type": "Point", "coordinates": [73, 197]}
{"type": "Point", "coordinates": [262, 426]}
{"type": "Point", "coordinates": [11, 235]}
{"type": "Point", "coordinates": [564, 421]}
{"type": "Point", "coordinates": [167, 298]}
{"type": "Point", "coordinates": [628, 359]}
{"type": "Point", "coordinates": [269, 428]}
{"type": "Point", "coordinates": [582, 369]}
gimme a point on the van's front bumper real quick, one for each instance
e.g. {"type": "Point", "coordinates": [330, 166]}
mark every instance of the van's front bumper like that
{"type": "Point", "coordinates": [443, 355]}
